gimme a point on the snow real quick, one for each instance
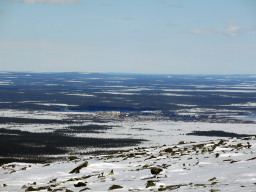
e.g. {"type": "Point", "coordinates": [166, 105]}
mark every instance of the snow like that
{"type": "Point", "coordinates": [188, 169]}
{"type": "Point", "coordinates": [56, 104]}
{"type": "Point", "coordinates": [248, 104]}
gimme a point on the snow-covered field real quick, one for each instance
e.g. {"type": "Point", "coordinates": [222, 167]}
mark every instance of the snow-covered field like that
{"type": "Point", "coordinates": [188, 162]}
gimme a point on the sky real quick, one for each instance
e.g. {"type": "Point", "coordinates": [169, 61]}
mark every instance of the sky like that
{"type": "Point", "coordinates": [128, 36]}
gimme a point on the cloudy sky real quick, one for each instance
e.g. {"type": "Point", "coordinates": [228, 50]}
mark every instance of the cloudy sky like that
{"type": "Point", "coordinates": [133, 36]}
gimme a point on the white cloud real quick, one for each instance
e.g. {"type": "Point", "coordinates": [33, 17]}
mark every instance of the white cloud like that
{"type": "Point", "coordinates": [232, 31]}
{"type": "Point", "coordinates": [51, 2]}
{"type": "Point", "coordinates": [203, 31]}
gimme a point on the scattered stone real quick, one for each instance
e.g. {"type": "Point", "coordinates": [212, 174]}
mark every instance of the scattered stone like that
{"type": "Point", "coordinates": [77, 169]}
{"type": "Point", "coordinates": [239, 146]}
{"type": "Point", "coordinates": [213, 190]}
{"type": "Point", "coordinates": [251, 159]}
{"type": "Point", "coordinates": [168, 150]}
{"type": "Point", "coordinates": [23, 168]}
{"type": "Point", "coordinates": [204, 150]}
{"type": "Point", "coordinates": [71, 158]}
{"type": "Point", "coordinates": [233, 161]}
{"type": "Point", "coordinates": [212, 179]}
{"type": "Point", "coordinates": [170, 187]}
{"type": "Point", "coordinates": [111, 172]}
{"type": "Point", "coordinates": [150, 183]}
{"type": "Point", "coordinates": [115, 187]}
{"type": "Point", "coordinates": [85, 189]}
{"type": "Point", "coordinates": [249, 145]}
{"type": "Point", "coordinates": [80, 184]}
{"type": "Point", "coordinates": [155, 170]}
{"type": "Point", "coordinates": [53, 180]}
{"type": "Point", "coordinates": [24, 187]}
{"type": "Point", "coordinates": [31, 188]}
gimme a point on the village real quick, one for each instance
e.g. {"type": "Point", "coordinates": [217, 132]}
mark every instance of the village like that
{"type": "Point", "coordinates": [154, 116]}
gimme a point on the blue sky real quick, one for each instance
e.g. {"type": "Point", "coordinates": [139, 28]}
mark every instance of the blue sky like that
{"type": "Point", "coordinates": [132, 36]}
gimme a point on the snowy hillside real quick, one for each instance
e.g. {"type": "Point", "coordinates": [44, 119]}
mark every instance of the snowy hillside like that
{"type": "Point", "coordinates": [215, 165]}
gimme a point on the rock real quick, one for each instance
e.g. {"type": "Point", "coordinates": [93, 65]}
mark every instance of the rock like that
{"type": "Point", "coordinates": [24, 187]}
{"type": "Point", "coordinates": [30, 188]}
{"type": "Point", "coordinates": [181, 142]}
{"type": "Point", "coordinates": [204, 150]}
{"type": "Point", "coordinates": [212, 179]}
{"type": "Point", "coordinates": [59, 189]}
{"type": "Point", "coordinates": [53, 180]}
{"type": "Point", "coordinates": [168, 150]}
{"type": "Point", "coordinates": [150, 183]}
{"type": "Point", "coordinates": [111, 172]}
{"type": "Point", "coordinates": [239, 145]}
{"type": "Point", "coordinates": [115, 187]}
{"type": "Point", "coordinates": [217, 155]}
{"type": "Point", "coordinates": [71, 158]}
{"type": "Point", "coordinates": [170, 187]}
{"type": "Point", "coordinates": [80, 184]}
{"type": "Point", "coordinates": [155, 170]}
{"type": "Point", "coordinates": [77, 169]}
{"type": "Point", "coordinates": [85, 189]}
{"type": "Point", "coordinates": [213, 190]}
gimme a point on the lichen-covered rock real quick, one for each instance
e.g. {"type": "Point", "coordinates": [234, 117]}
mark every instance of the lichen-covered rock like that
{"type": "Point", "coordinates": [150, 183]}
{"type": "Point", "coordinates": [24, 187]}
{"type": "Point", "coordinates": [115, 187]}
{"type": "Point", "coordinates": [212, 179]}
{"type": "Point", "coordinates": [31, 188]}
{"type": "Point", "coordinates": [111, 172]}
{"type": "Point", "coordinates": [155, 170]}
{"type": "Point", "coordinates": [77, 169]}
{"type": "Point", "coordinates": [168, 150]}
{"type": "Point", "coordinates": [80, 184]}
{"type": "Point", "coordinates": [213, 190]}
{"type": "Point", "coordinates": [71, 158]}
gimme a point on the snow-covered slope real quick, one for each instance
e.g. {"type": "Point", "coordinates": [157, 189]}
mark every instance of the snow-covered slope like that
{"type": "Point", "coordinates": [213, 165]}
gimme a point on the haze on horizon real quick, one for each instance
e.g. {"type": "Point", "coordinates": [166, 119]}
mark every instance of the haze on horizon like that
{"type": "Point", "coordinates": [146, 36]}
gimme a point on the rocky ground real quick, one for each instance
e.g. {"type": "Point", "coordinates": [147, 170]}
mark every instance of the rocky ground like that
{"type": "Point", "coordinates": [213, 165]}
